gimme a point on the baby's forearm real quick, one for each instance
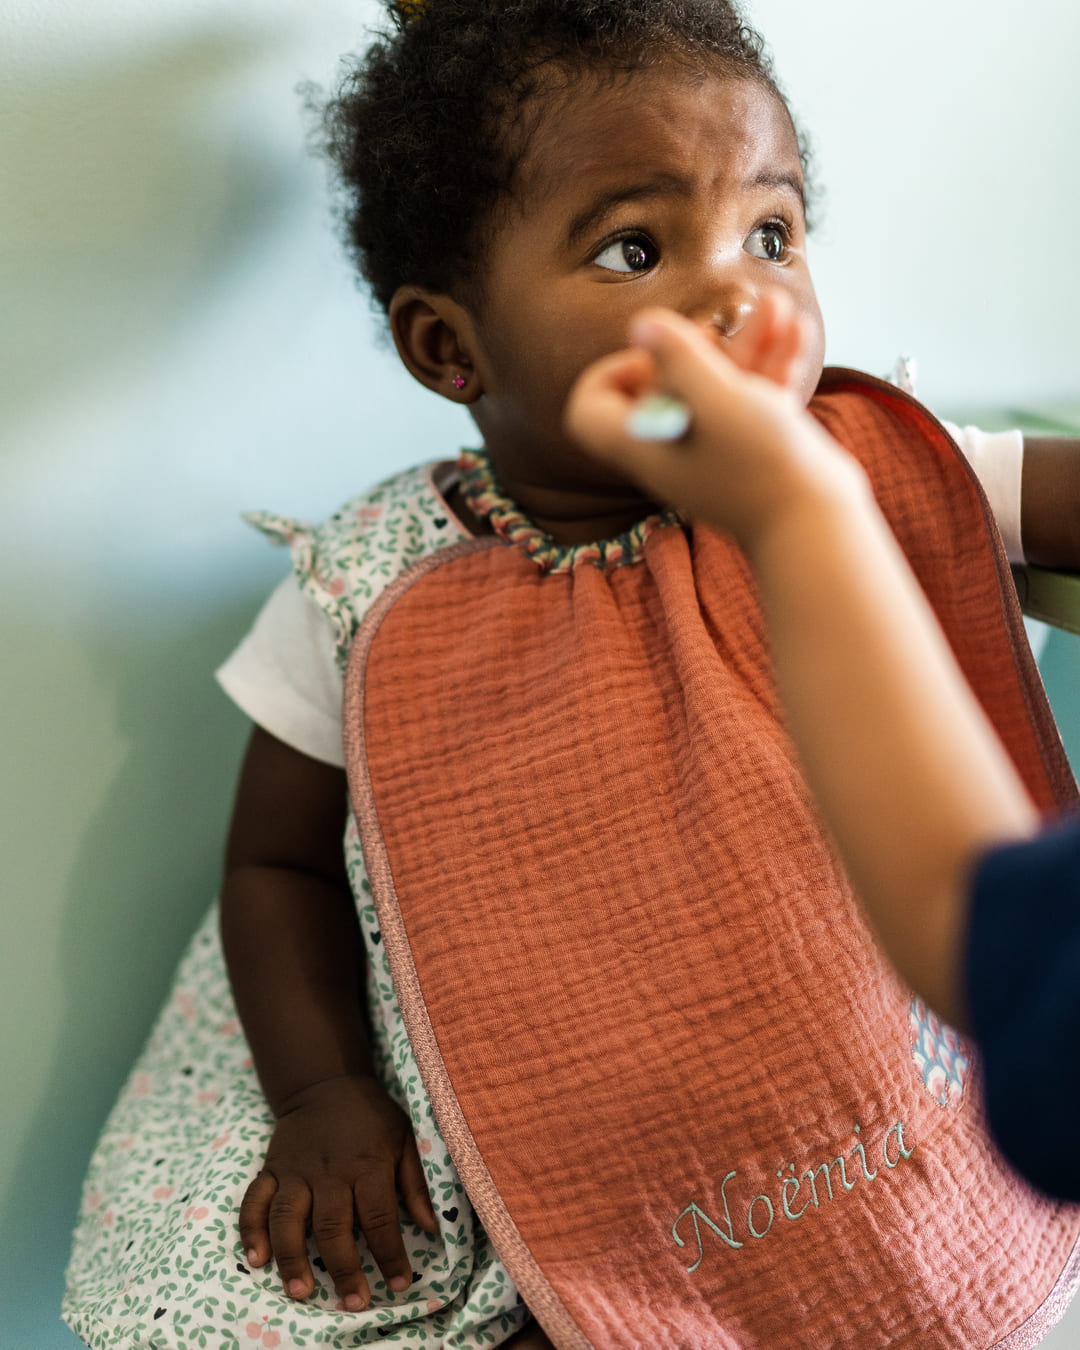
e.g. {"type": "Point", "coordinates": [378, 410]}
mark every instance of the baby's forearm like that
{"type": "Point", "coordinates": [911, 777]}
{"type": "Point", "coordinates": [288, 921]}
{"type": "Point", "coordinates": [295, 957]}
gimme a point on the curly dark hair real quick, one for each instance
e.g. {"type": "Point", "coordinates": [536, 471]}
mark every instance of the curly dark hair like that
{"type": "Point", "coordinates": [428, 128]}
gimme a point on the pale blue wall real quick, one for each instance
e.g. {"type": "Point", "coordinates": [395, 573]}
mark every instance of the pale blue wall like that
{"type": "Point", "coordinates": [946, 139]}
{"type": "Point", "coordinates": [181, 340]}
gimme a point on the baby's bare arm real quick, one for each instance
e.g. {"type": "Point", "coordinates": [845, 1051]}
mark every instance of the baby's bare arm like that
{"type": "Point", "coordinates": [1050, 501]}
{"type": "Point", "coordinates": [294, 951]}
{"type": "Point", "coordinates": [292, 940]}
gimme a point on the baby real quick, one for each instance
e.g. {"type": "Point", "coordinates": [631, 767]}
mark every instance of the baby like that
{"type": "Point", "coordinates": [586, 987]}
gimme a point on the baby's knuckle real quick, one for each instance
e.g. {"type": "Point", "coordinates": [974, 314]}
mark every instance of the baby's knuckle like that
{"type": "Point", "coordinates": [287, 1207]}
{"type": "Point", "coordinates": [346, 1271]}
{"type": "Point", "coordinates": [379, 1221]}
{"type": "Point", "coordinates": [331, 1227]}
{"type": "Point", "coordinates": [254, 1207]}
{"type": "Point", "coordinates": [365, 1178]}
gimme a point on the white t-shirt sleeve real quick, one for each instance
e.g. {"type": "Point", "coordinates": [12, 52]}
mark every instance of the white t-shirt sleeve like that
{"type": "Point", "coordinates": [998, 461]}
{"type": "Point", "coordinates": [284, 675]}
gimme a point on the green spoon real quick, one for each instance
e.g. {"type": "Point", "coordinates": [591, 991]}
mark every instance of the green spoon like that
{"type": "Point", "coordinates": [660, 417]}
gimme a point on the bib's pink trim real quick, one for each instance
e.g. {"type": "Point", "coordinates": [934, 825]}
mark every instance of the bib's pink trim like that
{"type": "Point", "coordinates": [1050, 1311]}
{"type": "Point", "coordinates": [535, 1289]}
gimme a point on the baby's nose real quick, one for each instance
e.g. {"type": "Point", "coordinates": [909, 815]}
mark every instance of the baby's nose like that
{"type": "Point", "coordinates": [723, 317]}
{"type": "Point", "coordinates": [730, 317]}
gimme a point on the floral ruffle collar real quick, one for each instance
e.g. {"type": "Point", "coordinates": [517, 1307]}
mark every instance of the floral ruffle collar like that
{"type": "Point", "coordinates": [486, 499]}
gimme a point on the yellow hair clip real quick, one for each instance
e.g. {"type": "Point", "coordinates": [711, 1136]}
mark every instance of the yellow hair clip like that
{"type": "Point", "coordinates": [411, 9]}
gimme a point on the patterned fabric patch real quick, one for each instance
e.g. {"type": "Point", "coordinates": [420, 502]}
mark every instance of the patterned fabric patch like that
{"type": "Point", "coordinates": [939, 1055]}
{"type": "Point", "coordinates": [345, 563]}
{"type": "Point", "coordinates": [157, 1262]}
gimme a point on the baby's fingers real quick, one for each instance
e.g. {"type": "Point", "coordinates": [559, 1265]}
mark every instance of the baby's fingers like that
{"type": "Point", "coordinates": [688, 362]}
{"type": "Point", "coordinates": [603, 398]}
{"type": "Point", "coordinates": [332, 1228]}
{"type": "Point", "coordinates": [254, 1217]}
{"type": "Point", "coordinates": [414, 1191]}
{"type": "Point", "coordinates": [771, 341]}
{"type": "Point", "coordinates": [289, 1212]}
{"type": "Point", "coordinates": [377, 1207]}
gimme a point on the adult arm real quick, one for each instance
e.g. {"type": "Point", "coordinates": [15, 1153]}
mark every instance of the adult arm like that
{"type": "Point", "coordinates": [911, 776]}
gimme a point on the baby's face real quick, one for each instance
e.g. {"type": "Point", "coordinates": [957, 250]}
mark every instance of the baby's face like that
{"type": "Point", "coordinates": [660, 189]}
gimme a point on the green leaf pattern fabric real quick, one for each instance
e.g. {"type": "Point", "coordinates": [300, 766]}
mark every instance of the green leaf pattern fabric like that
{"type": "Point", "coordinates": [157, 1262]}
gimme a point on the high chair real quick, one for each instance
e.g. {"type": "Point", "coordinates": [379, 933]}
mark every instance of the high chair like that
{"type": "Point", "coordinates": [1052, 597]}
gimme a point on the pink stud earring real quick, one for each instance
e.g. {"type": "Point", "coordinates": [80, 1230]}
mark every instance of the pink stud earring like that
{"type": "Point", "coordinates": [459, 381]}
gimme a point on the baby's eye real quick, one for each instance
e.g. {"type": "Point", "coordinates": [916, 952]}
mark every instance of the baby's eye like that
{"type": "Point", "coordinates": [769, 242]}
{"type": "Point", "coordinates": [631, 253]}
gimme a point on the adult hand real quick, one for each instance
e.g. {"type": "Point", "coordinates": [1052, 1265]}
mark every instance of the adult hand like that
{"type": "Point", "coordinates": [750, 449]}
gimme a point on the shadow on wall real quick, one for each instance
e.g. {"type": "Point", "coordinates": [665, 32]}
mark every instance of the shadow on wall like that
{"type": "Point", "coordinates": [145, 870]}
{"type": "Point", "coordinates": [126, 190]}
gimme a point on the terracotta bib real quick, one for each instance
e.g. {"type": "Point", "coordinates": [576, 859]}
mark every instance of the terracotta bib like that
{"type": "Point", "coordinates": [689, 1100]}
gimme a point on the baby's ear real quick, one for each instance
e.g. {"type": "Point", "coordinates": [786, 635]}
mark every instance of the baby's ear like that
{"type": "Point", "coordinates": [435, 339]}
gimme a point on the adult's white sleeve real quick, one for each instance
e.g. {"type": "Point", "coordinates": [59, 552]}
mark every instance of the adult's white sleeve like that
{"type": "Point", "coordinates": [998, 461]}
{"type": "Point", "coordinates": [285, 677]}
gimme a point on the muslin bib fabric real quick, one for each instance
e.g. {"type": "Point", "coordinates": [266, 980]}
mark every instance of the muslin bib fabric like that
{"type": "Point", "coordinates": [690, 1102]}
{"type": "Point", "coordinates": [157, 1262]}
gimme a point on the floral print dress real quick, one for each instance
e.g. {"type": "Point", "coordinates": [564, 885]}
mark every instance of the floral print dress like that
{"type": "Point", "coordinates": [157, 1262]}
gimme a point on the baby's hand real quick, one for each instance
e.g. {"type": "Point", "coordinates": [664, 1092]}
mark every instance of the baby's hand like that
{"type": "Point", "coordinates": [750, 448]}
{"type": "Point", "coordinates": [339, 1153]}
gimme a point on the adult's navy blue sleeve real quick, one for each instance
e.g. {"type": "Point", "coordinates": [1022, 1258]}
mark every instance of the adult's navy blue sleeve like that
{"type": "Point", "coordinates": [1023, 988]}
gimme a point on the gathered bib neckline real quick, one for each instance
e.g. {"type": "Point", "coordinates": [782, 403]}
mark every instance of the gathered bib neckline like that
{"type": "Point", "coordinates": [487, 500]}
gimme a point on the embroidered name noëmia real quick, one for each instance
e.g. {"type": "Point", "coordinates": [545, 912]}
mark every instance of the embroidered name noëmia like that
{"type": "Point", "coordinates": [796, 1193]}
